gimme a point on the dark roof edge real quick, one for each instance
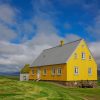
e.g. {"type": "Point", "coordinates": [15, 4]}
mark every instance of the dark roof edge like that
{"type": "Point", "coordinates": [64, 44]}
{"type": "Point", "coordinates": [48, 65]}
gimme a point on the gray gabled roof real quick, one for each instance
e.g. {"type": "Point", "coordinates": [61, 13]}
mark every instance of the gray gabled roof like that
{"type": "Point", "coordinates": [56, 55]}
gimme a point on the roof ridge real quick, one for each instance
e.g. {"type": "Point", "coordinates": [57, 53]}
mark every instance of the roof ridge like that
{"type": "Point", "coordinates": [63, 44]}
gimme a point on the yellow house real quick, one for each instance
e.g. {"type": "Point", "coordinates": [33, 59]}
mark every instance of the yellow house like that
{"type": "Point", "coordinates": [71, 64]}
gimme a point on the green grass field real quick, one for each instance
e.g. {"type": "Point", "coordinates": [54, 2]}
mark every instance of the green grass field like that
{"type": "Point", "coordinates": [12, 89]}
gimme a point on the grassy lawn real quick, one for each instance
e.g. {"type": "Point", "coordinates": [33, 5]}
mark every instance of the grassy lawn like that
{"type": "Point", "coordinates": [12, 89]}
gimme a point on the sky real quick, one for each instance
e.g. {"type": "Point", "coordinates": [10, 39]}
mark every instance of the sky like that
{"type": "Point", "coordinates": [29, 26]}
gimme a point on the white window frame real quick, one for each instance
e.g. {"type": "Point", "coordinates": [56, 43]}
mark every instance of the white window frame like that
{"type": "Point", "coordinates": [89, 71]}
{"type": "Point", "coordinates": [76, 70]}
{"type": "Point", "coordinates": [44, 71]}
{"type": "Point", "coordinates": [83, 55]}
{"type": "Point", "coordinates": [59, 71]}
{"type": "Point", "coordinates": [53, 71]}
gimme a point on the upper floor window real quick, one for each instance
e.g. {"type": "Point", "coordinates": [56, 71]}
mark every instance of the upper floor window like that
{"type": "Point", "coordinates": [53, 72]}
{"type": "Point", "coordinates": [90, 57]}
{"type": "Point", "coordinates": [59, 71]}
{"type": "Point", "coordinates": [32, 71]}
{"type": "Point", "coordinates": [89, 71]}
{"type": "Point", "coordinates": [75, 55]}
{"type": "Point", "coordinates": [44, 72]}
{"type": "Point", "coordinates": [76, 70]}
{"type": "Point", "coordinates": [83, 55]}
{"type": "Point", "coordinates": [82, 46]}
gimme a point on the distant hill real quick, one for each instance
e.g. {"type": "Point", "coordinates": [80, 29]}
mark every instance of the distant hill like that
{"type": "Point", "coordinates": [10, 73]}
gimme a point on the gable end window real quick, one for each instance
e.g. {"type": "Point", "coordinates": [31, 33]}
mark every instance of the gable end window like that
{"type": "Point", "coordinates": [75, 55]}
{"type": "Point", "coordinates": [59, 71]}
{"type": "Point", "coordinates": [76, 71]}
{"type": "Point", "coordinates": [90, 57]}
{"type": "Point", "coordinates": [89, 71]}
{"type": "Point", "coordinates": [83, 55]}
{"type": "Point", "coordinates": [83, 46]}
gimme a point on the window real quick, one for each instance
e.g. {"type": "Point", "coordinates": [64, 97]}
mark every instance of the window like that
{"type": "Point", "coordinates": [82, 46]}
{"type": "Point", "coordinates": [89, 71]}
{"type": "Point", "coordinates": [59, 71]}
{"type": "Point", "coordinates": [90, 57]}
{"type": "Point", "coordinates": [75, 55]}
{"type": "Point", "coordinates": [53, 72]}
{"type": "Point", "coordinates": [33, 71]}
{"type": "Point", "coordinates": [83, 55]}
{"type": "Point", "coordinates": [24, 77]}
{"type": "Point", "coordinates": [76, 70]}
{"type": "Point", "coordinates": [44, 72]}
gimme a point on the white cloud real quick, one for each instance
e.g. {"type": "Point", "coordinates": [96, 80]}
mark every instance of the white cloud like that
{"type": "Point", "coordinates": [94, 29]}
{"type": "Point", "coordinates": [95, 49]}
{"type": "Point", "coordinates": [14, 56]}
{"type": "Point", "coordinates": [45, 37]}
{"type": "Point", "coordinates": [7, 13]}
{"type": "Point", "coordinates": [47, 33]}
{"type": "Point", "coordinates": [71, 37]}
{"type": "Point", "coordinates": [20, 54]}
{"type": "Point", "coordinates": [44, 8]}
{"type": "Point", "coordinates": [7, 19]}
{"type": "Point", "coordinates": [6, 33]}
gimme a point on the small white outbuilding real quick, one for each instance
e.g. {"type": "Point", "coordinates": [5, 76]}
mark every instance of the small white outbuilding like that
{"type": "Point", "coordinates": [24, 73]}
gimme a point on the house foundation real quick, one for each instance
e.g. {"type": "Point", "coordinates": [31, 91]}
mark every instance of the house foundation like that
{"type": "Point", "coordinates": [81, 84]}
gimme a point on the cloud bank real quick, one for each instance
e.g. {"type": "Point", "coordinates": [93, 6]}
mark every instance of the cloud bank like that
{"type": "Point", "coordinates": [22, 41]}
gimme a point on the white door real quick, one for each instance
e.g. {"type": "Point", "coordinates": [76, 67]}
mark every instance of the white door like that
{"type": "Point", "coordinates": [38, 73]}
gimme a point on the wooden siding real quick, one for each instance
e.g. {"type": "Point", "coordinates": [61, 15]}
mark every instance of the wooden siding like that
{"type": "Point", "coordinates": [49, 75]}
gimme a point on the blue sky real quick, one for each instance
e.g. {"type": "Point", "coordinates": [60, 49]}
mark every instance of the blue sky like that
{"type": "Point", "coordinates": [29, 26]}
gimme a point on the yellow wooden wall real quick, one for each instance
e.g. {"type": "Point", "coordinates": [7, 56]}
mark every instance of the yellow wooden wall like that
{"type": "Point", "coordinates": [81, 64]}
{"type": "Point", "coordinates": [31, 76]}
{"type": "Point", "coordinates": [49, 75]}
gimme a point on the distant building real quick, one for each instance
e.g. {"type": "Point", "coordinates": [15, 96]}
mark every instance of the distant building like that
{"type": "Point", "coordinates": [24, 73]}
{"type": "Point", "coordinates": [71, 64]}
